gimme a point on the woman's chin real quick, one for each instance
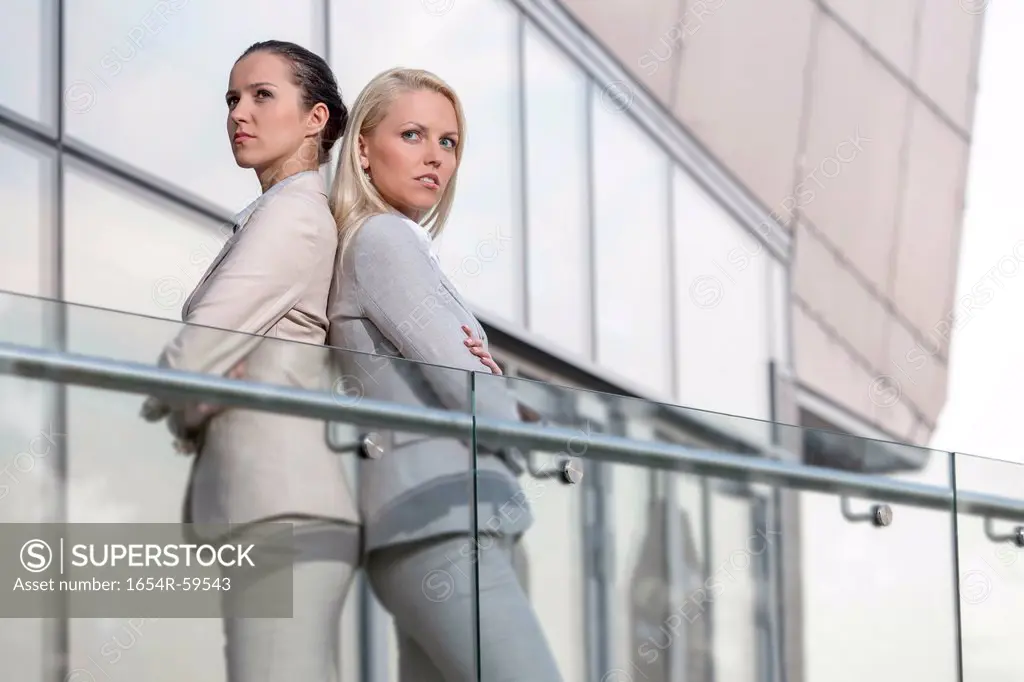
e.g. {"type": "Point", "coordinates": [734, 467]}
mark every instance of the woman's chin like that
{"type": "Point", "coordinates": [421, 207]}
{"type": "Point", "coordinates": [243, 160]}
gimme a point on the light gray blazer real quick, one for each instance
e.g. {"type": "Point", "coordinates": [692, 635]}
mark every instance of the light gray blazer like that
{"type": "Point", "coordinates": [270, 281]}
{"type": "Point", "coordinates": [390, 299]}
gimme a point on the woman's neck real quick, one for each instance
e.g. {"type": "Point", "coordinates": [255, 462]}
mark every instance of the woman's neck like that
{"type": "Point", "coordinates": [272, 175]}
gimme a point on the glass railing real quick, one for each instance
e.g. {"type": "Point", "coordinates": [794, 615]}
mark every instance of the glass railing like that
{"type": "Point", "coordinates": [990, 555]}
{"type": "Point", "coordinates": [648, 570]}
{"type": "Point", "coordinates": [76, 448]}
{"type": "Point", "coordinates": [510, 529]}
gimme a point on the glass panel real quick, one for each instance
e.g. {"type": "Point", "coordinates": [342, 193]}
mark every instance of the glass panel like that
{"type": "Point", "coordinates": [471, 44]}
{"type": "Point", "coordinates": [128, 250]}
{"type": "Point", "coordinates": [29, 440]}
{"type": "Point", "coordinates": [27, 175]}
{"type": "Point", "coordinates": [682, 575]}
{"type": "Point", "coordinates": [778, 307]}
{"type": "Point", "coordinates": [991, 580]}
{"type": "Point", "coordinates": [631, 185]}
{"type": "Point", "coordinates": [146, 81]}
{"type": "Point", "coordinates": [122, 469]}
{"type": "Point", "coordinates": [722, 310]}
{"type": "Point", "coordinates": [688, 570]}
{"type": "Point", "coordinates": [559, 228]}
{"type": "Point", "coordinates": [533, 611]}
{"type": "Point", "coordinates": [418, 613]}
{"type": "Point", "coordinates": [29, 434]}
{"type": "Point", "coordinates": [28, 39]}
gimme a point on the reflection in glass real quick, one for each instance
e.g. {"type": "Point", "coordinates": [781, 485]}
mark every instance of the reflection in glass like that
{"type": "Point", "coordinates": [716, 579]}
{"type": "Point", "coordinates": [642, 583]}
{"type": "Point", "coordinates": [27, 195]}
{"type": "Point", "coordinates": [472, 46]}
{"type": "Point", "coordinates": [732, 586]}
{"type": "Point", "coordinates": [552, 551]}
{"type": "Point", "coordinates": [29, 438]}
{"type": "Point", "coordinates": [131, 252]}
{"type": "Point", "coordinates": [146, 82]}
{"type": "Point", "coordinates": [662, 577]}
{"type": "Point", "coordinates": [631, 176]}
{"type": "Point", "coordinates": [687, 559]}
{"type": "Point", "coordinates": [28, 32]}
{"type": "Point", "coordinates": [556, 176]}
{"type": "Point", "coordinates": [865, 589]}
{"type": "Point", "coordinates": [123, 469]}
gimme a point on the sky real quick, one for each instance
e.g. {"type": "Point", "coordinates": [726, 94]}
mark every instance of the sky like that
{"type": "Point", "coordinates": [987, 354]}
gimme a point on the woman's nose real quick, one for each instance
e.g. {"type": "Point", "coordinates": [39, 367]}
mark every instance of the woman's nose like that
{"type": "Point", "coordinates": [240, 113]}
{"type": "Point", "coordinates": [432, 157]}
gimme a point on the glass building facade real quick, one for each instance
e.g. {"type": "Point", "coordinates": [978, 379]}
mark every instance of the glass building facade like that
{"type": "Point", "coordinates": [576, 225]}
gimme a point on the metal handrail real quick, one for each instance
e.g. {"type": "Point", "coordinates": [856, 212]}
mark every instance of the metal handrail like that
{"type": "Point", "coordinates": [128, 377]}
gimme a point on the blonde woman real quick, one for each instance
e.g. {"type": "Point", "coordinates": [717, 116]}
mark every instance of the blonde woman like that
{"type": "Point", "coordinates": [392, 194]}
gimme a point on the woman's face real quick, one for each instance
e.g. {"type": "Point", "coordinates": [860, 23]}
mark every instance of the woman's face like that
{"type": "Point", "coordinates": [410, 155]}
{"type": "Point", "coordinates": [267, 124]}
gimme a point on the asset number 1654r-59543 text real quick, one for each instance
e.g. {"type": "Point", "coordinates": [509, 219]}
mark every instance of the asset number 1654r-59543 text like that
{"type": "Point", "coordinates": [179, 584]}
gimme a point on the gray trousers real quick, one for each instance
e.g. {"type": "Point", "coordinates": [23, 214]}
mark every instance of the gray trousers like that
{"type": "Point", "coordinates": [305, 646]}
{"type": "Point", "coordinates": [428, 588]}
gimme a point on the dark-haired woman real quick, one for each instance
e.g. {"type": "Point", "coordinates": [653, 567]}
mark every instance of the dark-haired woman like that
{"type": "Point", "coordinates": [270, 282]}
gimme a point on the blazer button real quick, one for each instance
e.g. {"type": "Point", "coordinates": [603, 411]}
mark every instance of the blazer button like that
{"type": "Point", "coordinates": [372, 446]}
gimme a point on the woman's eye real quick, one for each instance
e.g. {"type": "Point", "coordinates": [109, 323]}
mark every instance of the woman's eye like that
{"type": "Point", "coordinates": [410, 135]}
{"type": "Point", "coordinates": [448, 143]}
{"type": "Point", "coordinates": [231, 101]}
{"type": "Point", "coordinates": [263, 93]}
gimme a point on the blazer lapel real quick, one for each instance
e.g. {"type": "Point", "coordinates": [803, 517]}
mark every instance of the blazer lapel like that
{"type": "Point", "coordinates": [312, 180]}
{"type": "Point", "coordinates": [206, 276]}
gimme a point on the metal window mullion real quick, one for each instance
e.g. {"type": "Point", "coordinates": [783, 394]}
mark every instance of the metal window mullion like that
{"type": "Point", "coordinates": [524, 190]}
{"type": "Point", "coordinates": [674, 277]}
{"type": "Point", "coordinates": [706, 541]}
{"type": "Point", "coordinates": [588, 125]}
{"type": "Point", "coordinates": [596, 598]}
{"type": "Point", "coordinates": [955, 528]}
{"type": "Point", "coordinates": [56, 650]}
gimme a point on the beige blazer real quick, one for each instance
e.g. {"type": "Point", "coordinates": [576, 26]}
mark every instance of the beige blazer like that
{"type": "Point", "coordinates": [269, 286]}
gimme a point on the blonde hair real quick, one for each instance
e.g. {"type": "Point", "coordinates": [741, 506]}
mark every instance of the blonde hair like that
{"type": "Point", "coordinates": [354, 198]}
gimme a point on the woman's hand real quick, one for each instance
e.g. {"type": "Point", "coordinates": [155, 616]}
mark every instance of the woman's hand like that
{"type": "Point", "coordinates": [154, 409]}
{"type": "Point", "coordinates": [205, 409]}
{"type": "Point", "coordinates": [476, 347]}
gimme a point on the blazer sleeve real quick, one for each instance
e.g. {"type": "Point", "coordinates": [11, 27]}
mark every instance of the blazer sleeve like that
{"type": "Point", "coordinates": [400, 289]}
{"type": "Point", "coordinates": [263, 277]}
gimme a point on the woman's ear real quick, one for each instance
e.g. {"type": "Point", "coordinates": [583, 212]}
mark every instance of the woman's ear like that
{"type": "Point", "coordinates": [317, 118]}
{"type": "Point", "coordinates": [364, 159]}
